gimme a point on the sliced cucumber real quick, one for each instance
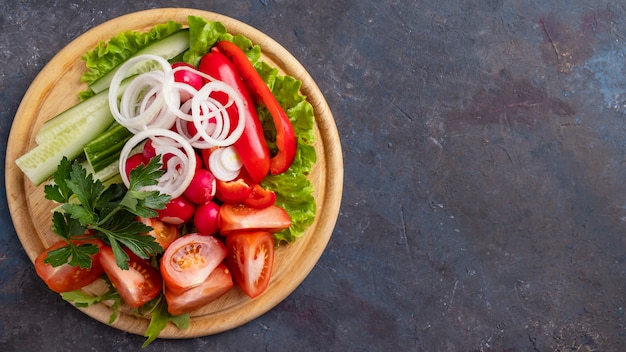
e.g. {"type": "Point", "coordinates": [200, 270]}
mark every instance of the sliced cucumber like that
{"type": "Point", "coordinates": [41, 162]}
{"type": "Point", "coordinates": [94, 108]}
{"type": "Point", "coordinates": [167, 48]}
{"type": "Point", "coordinates": [105, 149]}
{"type": "Point", "coordinates": [109, 174]}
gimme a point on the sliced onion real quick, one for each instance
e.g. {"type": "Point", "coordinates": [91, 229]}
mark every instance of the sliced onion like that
{"type": "Point", "coordinates": [230, 159]}
{"type": "Point", "coordinates": [203, 107]}
{"type": "Point", "coordinates": [142, 104]}
{"type": "Point", "coordinates": [225, 164]}
{"type": "Point", "coordinates": [181, 167]}
{"type": "Point", "coordinates": [151, 106]}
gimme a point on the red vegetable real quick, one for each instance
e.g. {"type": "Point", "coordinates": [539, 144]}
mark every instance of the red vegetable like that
{"type": "Point", "coordinates": [133, 161]}
{"type": "Point", "coordinates": [177, 211]}
{"type": "Point", "coordinates": [202, 187]}
{"type": "Point", "coordinates": [285, 134]}
{"type": "Point", "coordinates": [139, 284]}
{"type": "Point", "coordinates": [251, 259]}
{"type": "Point", "coordinates": [66, 277]}
{"type": "Point", "coordinates": [260, 197]}
{"type": "Point", "coordinates": [238, 217]}
{"type": "Point", "coordinates": [162, 232]}
{"type": "Point", "coordinates": [190, 260]}
{"type": "Point", "coordinates": [219, 282]}
{"type": "Point", "coordinates": [235, 191]}
{"type": "Point", "coordinates": [251, 146]}
{"type": "Point", "coordinates": [206, 218]}
{"type": "Point", "coordinates": [185, 76]}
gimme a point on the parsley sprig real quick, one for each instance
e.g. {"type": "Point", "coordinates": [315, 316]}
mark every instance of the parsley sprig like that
{"type": "Point", "coordinates": [108, 213]}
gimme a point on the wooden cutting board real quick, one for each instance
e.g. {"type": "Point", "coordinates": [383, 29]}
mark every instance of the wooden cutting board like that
{"type": "Point", "coordinates": [55, 89]}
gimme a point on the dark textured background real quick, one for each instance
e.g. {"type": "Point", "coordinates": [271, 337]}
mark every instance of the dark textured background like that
{"type": "Point", "coordinates": [484, 206]}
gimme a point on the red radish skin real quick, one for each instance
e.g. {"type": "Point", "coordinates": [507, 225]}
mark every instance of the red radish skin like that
{"type": "Point", "coordinates": [134, 161]}
{"type": "Point", "coordinates": [206, 218]}
{"type": "Point", "coordinates": [202, 187]}
{"type": "Point", "coordinates": [177, 211]}
{"type": "Point", "coordinates": [189, 77]}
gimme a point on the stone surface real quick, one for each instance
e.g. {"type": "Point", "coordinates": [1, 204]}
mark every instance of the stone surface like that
{"type": "Point", "coordinates": [484, 204]}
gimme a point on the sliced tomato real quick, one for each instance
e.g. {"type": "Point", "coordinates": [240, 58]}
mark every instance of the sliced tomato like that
{"type": "Point", "coordinates": [190, 260]}
{"type": "Point", "coordinates": [65, 278]}
{"type": "Point", "coordinates": [139, 284]}
{"type": "Point", "coordinates": [260, 197]}
{"type": "Point", "coordinates": [250, 259]}
{"type": "Point", "coordinates": [162, 232]}
{"type": "Point", "coordinates": [237, 217]}
{"type": "Point", "coordinates": [218, 283]}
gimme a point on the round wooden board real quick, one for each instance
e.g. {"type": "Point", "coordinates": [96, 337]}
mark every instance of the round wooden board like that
{"type": "Point", "coordinates": [55, 89]}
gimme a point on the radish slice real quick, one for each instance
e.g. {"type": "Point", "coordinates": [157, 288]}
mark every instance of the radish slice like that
{"type": "Point", "coordinates": [180, 168]}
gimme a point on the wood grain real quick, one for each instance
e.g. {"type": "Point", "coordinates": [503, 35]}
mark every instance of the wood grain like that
{"type": "Point", "coordinates": [54, 90]}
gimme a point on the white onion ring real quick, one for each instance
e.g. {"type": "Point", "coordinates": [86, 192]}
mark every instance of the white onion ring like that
{"type": "Point", "coordinates": [175, 181]}
{"type": "Point", "coordinates": [225, 164]}
{"type": "Point", "coordinates": [151, 105]}
{"type": "Point", "coordinates": [202, 102]}
{"type": "Point", "coordinates": [142, 103]}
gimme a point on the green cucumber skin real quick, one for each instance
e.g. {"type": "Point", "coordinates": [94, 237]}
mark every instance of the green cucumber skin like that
{"type": "Point", "coordinates": [41, 162]}
{"type": "Point", "coordinates": [94, 108]}
{"type": "Point", "coordinates": [66, 134]}
{"type": "Point", "coordinates": [105, 149]}
{"type": "Point", "coordinates": [168, 48]}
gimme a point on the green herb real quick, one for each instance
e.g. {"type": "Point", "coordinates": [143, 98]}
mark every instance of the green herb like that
{"type": "Point", "coordinates": [159, 317]}
{"type": "Point", "coordinates": [81, 299]}
{"type": "Point", "coordinates": [108, 213]}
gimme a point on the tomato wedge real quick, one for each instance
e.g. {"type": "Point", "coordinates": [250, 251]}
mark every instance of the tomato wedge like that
{"type": "Point", "coordinates": [190, 260]}
{"type": "Point", "coordinates": [237, 217]}
{"type": "Point", "coordinates": [250, 259]}
{"type": "Point", "coordinates": [65, 278]}
{"type": "Point", "coordinates": [139, 284]}
{"type": "Point", "coordinates": [162, 232]}
{"type": "Point", "coordinates": [218, 283]}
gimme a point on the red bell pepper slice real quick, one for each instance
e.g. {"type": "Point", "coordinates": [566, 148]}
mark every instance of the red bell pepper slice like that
{"type": "Point", "coordinates": [260, 197]}
{"type": "Point", "coordinates": [285, 134]}
{"type": "Point", "coordinates": [251, 146]}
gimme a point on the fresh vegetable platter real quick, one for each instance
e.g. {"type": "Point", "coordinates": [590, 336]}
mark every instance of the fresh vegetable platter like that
{"type": "Point", "coordinates": [55, 89]}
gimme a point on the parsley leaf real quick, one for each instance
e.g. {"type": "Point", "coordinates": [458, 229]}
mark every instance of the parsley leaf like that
{"type": "Point", "coordinates": [73, 255]}
{"type": "Point", "coordinates": [59, 192]}
{"type": "Point", "coordinates": [81, 299]}
{"type": "Point", "coordinates": [65, 226]}
{"type": "Point", "coordinates": [159, 318]}
{"type": "Point", "coordinates": [108, 213]}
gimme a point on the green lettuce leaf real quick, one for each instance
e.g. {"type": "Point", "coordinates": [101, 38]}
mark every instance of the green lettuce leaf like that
{"type": "Point", "coordinates": [203, 34]}
{"type": "Point", "coordinates": [294, 191]}
{"type": "Point", "coordinates": [109, 54]}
